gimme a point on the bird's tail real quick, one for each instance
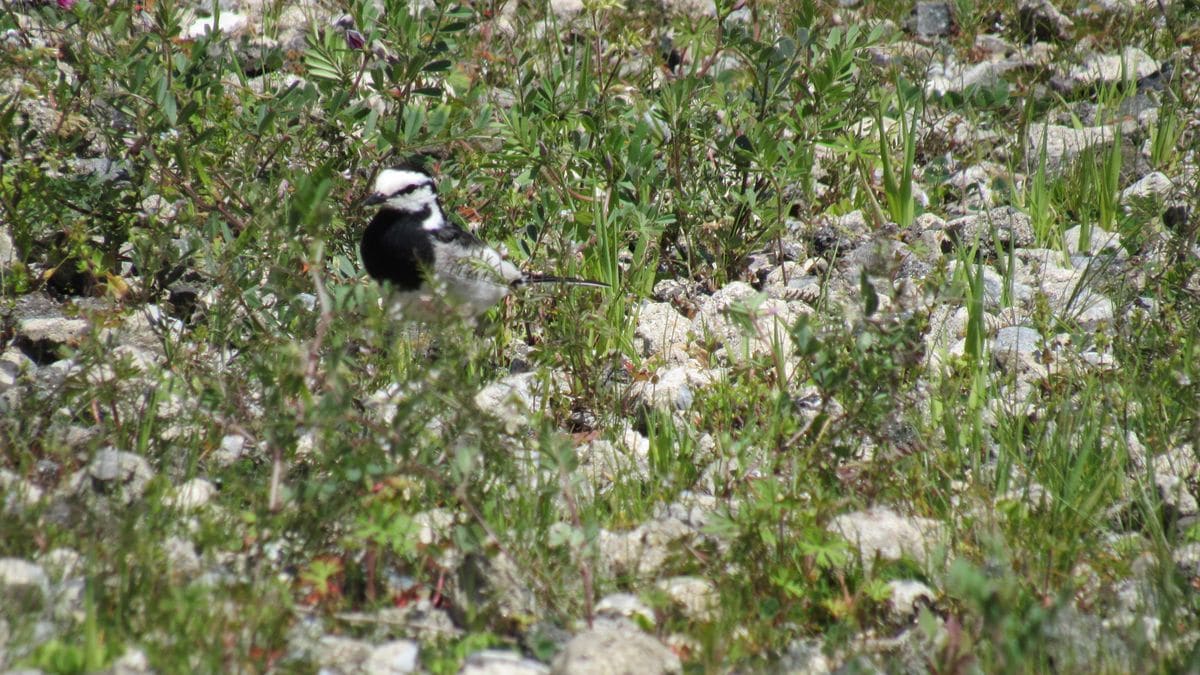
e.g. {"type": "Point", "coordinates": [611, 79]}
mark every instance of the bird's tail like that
{"type": "Point", "coordinates": [549, 279]}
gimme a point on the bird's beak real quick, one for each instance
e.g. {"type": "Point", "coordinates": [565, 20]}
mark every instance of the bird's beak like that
{"type": "Point", "coordinates": [374, 199]}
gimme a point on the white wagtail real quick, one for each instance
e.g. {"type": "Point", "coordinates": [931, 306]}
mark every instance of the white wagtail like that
{"type": "Point", "coordinates": [427, 258]}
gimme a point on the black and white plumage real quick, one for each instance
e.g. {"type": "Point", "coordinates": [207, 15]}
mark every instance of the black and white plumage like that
{"type": "Point", "coordinates": [427, 258]}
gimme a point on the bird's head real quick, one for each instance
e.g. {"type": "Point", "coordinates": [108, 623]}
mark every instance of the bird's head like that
{"type": "Point", "coordinates": [403, 190]}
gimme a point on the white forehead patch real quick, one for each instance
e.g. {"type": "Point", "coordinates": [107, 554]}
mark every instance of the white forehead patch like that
{"type": "Point", "coordinates": [392, 181]}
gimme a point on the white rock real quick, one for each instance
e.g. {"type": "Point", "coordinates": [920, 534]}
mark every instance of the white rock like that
{"type": "Point", "coordinates": [606, 462]}
{"type": "Point", "coordinates": [227, 22]}
{"type": "Point", "coordinates": [434, 525]}
{"type": "Point", "coordinates": [1099, 241]}
{"type": "Point", "coordinates": [696, 597]}
{"type": "Point", "coordinates": [55, 330]}
{"type": "Point", "coordinates": [344, 654]}
{"type": "Point", "coordinates": [1154, 185]}
{"type": "Point", "coordinates": [905, 598]}
{"type": "Point", "coordinates": [1129, 65]}
{"type": "Point", "coordinates": [1017, 349]}
{"type": "Point", "coordinates": [883, 532]}
{"type": "Point", "coordinates": [661, 331]}
{"type": "Point", "coordinates": [133, 662]}
{"type": "Point", "coordinates": [512, 398]}
{"type": "Point", "coordinates": [566, 10]}
{"type": "Point", "coordinates": [8, 254]}
{"type": "Point", "coordinates": [22, 584]}
{"type": "Point", "coordinates": [131, 472]}
{"type": "Point", "coordinates": [181, 557]}
{"type": "Point", "coordinates": [18, 493]}
{"type": "Point", "coordinates": [61, 563]}
{"type": "Point", "coordinates": [193, 494]}
{"type": "Point", "coordinates": [1003, 224]}
{"type": "Point", "coordinates": [498, 662]}
{"type": "Point", "coordinates": [232, 447]}
{"type": "Point", "coordinates": [745, 322]}
{"type": "Point", "coordinates": [693, 9]}
{"type": "Point", "coordinates": [393, 658]}
{"type": "Point", "coordinates": [626, 606]}
{"type": "Point", "coordinates": [644, 550]}
{"type": "Point", "coordinates": [13, 363]}
{"type": "Point", "coordinates": [1064, 144]}
{"type": "Point", "coordinates": [606, 650]}
{"type": "Point", "coordinates": [672, 388]}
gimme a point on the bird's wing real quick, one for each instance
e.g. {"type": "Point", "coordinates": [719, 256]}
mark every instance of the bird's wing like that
{"type": "Point", "coordinates": [466, 257]}
{"type": "Point", "coordinates": [482, 264]}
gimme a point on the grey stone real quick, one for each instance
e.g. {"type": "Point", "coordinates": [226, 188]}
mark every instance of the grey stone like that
{"type": "Point", "coordinates": [1005, 225]}
{"type": "Point", "coordinates": [232, 447]}
{"type": "Point", "coordinates": [994, 45]}
{"type": "Point", "coordinates": [694, 9]}
{"type": "Point", "coordinates": [744, 322]}
{"type": "Point", "coordinates": [930, 19]}
{"type": "Point", "coordinates": [1187, 559]}
{"type": "Point", "coordinates": [1087, 308]}
{"type": "Point", "coordinates": [434, 526]}
{"type": "Point", "coordinates": [194, 494]}
{"type": "Point", "coordinates": [611, 650]}
{"type": "Point", "coordinates": [1154, 185]}
{"type": "Point", "coordinates": [393, 658]}
{"type": "Point", "coordinates": [566, 10]}
{"type": "Point", "coordinates": [1040, 19]}
{"type": "Point", "coordinates": [61, 563]}
{"type": "Point", "coordinates": [512, 398]}
{"type": "Point", "coordinates": [1017, 349]}
{"type": "Point", "coordinates": [112, 468]}
{"type": "Point", "coordinates": [696, 597]}
{"type": "Point", "coordinates": [805, 657]}
{"type": "Point", "coordinates": [605, 461]}
{"type": "Point", "coordinates": [661, 331]}
{"type": "Point", "coordinates": [13, 362]}
{"type": "Point", "coordinates": [52, 331]}
{"type": "Point", "coordinates": [8, 253]}
{"type": "Point", "coordinates": [157, 206]}
{"type": "Point", "coordinates": [906, 599]}
{"type": "Point", "coordinates": [884, 532]}
{"type": "Point", "coordinates": [626, 606]}
{"type": "Point", "coordinates": [1083, 643]}
{"type": "Point", "coordinates": [103, 169]}
{"type": "Point", "coordinates": [1098, 241]}
{"type": "Point", "coordinates": [181, 557]}
{"type": "Point", "coordinates": [230, 23]}
{"type": "Point", "coordinates": [671, 388]}
{"type": "Point", "coordinates": [1131, 64]}
{"type": "Point", "coordinates": [645, 550]}
{"type": "Point", "coordinates": [996, 288]}
{"type": "Point", "coordinates": [1064, 144]}
{"type": "Point", "coordinates": [1177, 498]}
{"type": "Point", "coordinates": [342, 654]}
{"type": "Point", "coordinates": [18, 494]}
{"type": "Point", "coordinates": [954, 77]}
{"type": "Point", "coordinates": [133, 662]}
{"type": "Point", "coordinates": [494, 583]}
{"type": "Point", "coordinates": [498, 662]}
{"type": "Point", "coordinates": [24, 586]}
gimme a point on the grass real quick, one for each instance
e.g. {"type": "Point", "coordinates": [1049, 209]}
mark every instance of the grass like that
{"type": "Point", "coordinates": [586, 156]}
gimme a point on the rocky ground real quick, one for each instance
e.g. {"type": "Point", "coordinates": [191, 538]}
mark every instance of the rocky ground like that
{"type": "Point", "coordinates": [940, 415]}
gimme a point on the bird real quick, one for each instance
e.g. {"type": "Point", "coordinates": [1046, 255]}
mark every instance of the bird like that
{"type": "Point", "coordinates": [430, 261]}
